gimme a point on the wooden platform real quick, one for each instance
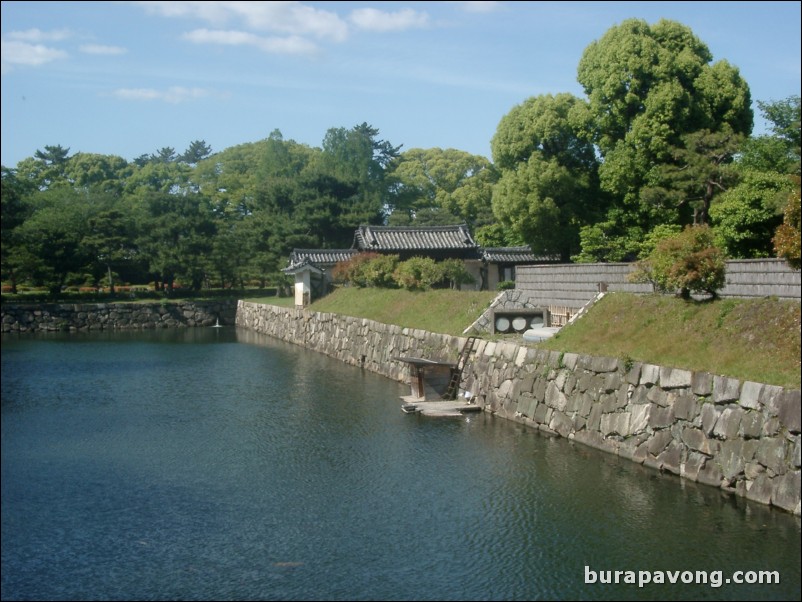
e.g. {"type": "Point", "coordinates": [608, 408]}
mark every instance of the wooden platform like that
{"type": "Point", "coordinates": [457, 407]}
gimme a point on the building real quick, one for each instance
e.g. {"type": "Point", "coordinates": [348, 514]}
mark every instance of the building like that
{"type": "Point", "coordinates": [312, 268]}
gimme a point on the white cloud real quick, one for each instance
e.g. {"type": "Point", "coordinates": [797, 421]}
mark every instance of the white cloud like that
{"type": "Point", "coordinates": [172, 95]}
{"type": "Point", "coordinates": [16, 54]}
{"type": "Point", "coordinates": [376, 20]}
{"type": "Point", "coordinates": [291, 18]}
{"type": "Point", "coordinates": [37, 35]}
{"type": "Point", "coordinates": [275, 45]}
{"type": "Point", "coordinates": [101, 49]}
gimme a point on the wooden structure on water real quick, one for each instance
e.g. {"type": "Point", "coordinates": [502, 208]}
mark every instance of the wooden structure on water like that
{"type": "Point", "coordinates": [435, 385]}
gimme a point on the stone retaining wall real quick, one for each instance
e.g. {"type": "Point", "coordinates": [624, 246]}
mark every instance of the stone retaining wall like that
{"type": "Point", "coordinates": [743, 437]}
{"type": "Point", "coordinates": [116, 316]}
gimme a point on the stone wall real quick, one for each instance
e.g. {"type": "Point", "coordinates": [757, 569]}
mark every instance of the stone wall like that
{"type": "Point", "coordinates": [743, 437]}
{"type": "Point", "coordinates": [115, 316]}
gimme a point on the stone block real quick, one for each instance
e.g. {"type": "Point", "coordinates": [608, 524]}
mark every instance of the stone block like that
{"type": "Point", "coordinates": [639, 418]}
{"type": "Point", "coordinates": [649, 374]}
{"type": "Point", "coordinates": [751, 425]}
{"type": "Point", "coordinates": [674, 378]}
{"type": "Point", "coordinates": [660, 417]}
{"type": "Point", "coordinates": [686, 407]}
{"type": "Point", "coordinates": [569, 360]}
{"type": "Point", "coordinates": [771, 453]}
{"type": "Point", "coordinates": [728, 423]}
{"type": "Point", "coordinates": [750, 395]}
{"type": "Point", "coordinates": [760, 489]}
{"type": "Point", "coordinates": [633, 376]}
{"type": "Point", "coordinates": [615, 424]}
{"type": "Point", "coordinates": [671, 457]}
{"type": "Point", "coordinates": [594, 418]}
{"type": "Point", "coordinates": [786, 491]}
{"type": "Point", "coordinates": [730, 459]}
{"type": "Point", "coordinates": [710, 474]}
{"type": "Point", "coordinates": [561, 424]}
{"type": "Point", "coordinates": [604, 364]}
{"type": "Point", "coordinates": [593, 439]}
{"type": "Point", "coordinates": [725, 389]}
{"type": "Point", "coordinates": [692, 465]}
{"type": "Point", "coordinates": [789, 410]}
{"type": "Point", "coordinates": [658, 442]}
{"type": "Point", "coordinates": [658, 396]}
{"type": "Point", "coordinates": [696, 440]}
{"type": "Point", "coordinates": [709, 415]}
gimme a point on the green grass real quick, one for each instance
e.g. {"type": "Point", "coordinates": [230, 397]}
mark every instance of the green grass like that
{"type": "Point", "coordinates": [755, 340]}
{"type": "Point", "coordinates": [749, 339]}
{"type": "Point", "coordinates": [442, 310]}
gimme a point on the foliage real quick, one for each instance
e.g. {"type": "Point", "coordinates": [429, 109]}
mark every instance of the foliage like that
{"type": "Point", "coordinates": [367, 270]}
{"type": "Point", "coordinates": [505, 285]}
{"type": "Point", "coordinates": [787, 238]}
{"type": "Point", "coordinates": [686, 262]}
{"type": "Point", "coordinates": [451, 183]}
{"type": "Point", "coordinates": [418, 273]}
{"type": "Point", "coordinates": [653, 96]}
{"type": "Point", "coordinates": [455, 272]}
{"type": "Point", "coordinates": [548, 187]}
{"type": "Point", "coordinates": [746, 216]}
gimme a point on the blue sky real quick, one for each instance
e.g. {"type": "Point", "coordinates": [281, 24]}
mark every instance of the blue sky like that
{"type": "Point", "coordinates": [129, 78]}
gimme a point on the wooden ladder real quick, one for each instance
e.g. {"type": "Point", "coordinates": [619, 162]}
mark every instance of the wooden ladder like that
{"type": "Point", "coordinates": [456, 374]}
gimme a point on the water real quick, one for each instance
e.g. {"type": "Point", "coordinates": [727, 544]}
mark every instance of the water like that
{"type": "Point", "coordinates": [218, 464]}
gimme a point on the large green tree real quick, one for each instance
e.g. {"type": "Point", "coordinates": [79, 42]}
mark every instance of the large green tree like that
{"type": "Point", "coordinates": [653, 94]}
{"type": "Point", "coordinates": [548, 187]}
{"type": "Point", "coordinates": [450, 183]}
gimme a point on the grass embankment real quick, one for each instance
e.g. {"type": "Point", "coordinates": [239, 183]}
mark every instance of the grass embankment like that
{"type": "Point", "coordinates": [757, 340]}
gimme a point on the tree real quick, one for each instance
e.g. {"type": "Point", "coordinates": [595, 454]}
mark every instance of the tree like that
{"type": "Point", "coordinates": [450, 183]}
{"type": "Point", "coordinates": [686, 262]}
{"type": "Point", "coordinates": [650, 89]}
{"type": "Point", "coordinates": [548, 187]}
{"type": "Point", "coordinates": [14, 213]}
{"type": "Point", "coordinates": [746, 217]}
{"type": "Point", "coordinates": [196, 152]}
{"type": "Point", "coordinates": [787, 238]}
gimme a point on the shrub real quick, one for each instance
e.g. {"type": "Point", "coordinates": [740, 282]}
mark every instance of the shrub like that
{"type": "Point", "coordinates": [418, 273]}
{"type": "Point", "coordinates": [686, 262]}
{"type": "Point", "coordinates": [786, 239]}
{"type": "Point", "coordinates": [505, 285]}
{"type": "Point", "coordinates": [367, 269]}
{"type": "Point", "coordinates": [456, 273]}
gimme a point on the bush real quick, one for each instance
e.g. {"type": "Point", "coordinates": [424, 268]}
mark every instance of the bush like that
{"type": "Point", "coordinates": [505, 285]}
{"type": "Point", "coordinates": [686, 262]}
{"type": "Point", "coordinates": [418, 273]}
{"type": "Point", "coordinates": [787, 239]}
{"type": "Point", "coordinates": [456, 273]}
{"type": "Point", "coordinates": [366, 269]}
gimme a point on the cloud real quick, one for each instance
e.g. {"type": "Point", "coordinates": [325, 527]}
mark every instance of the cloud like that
{"type": "Point", "coordinates": [100, 49]}
{"type": "Point", "coordinates": [290, 18]}
{"type": "Point", "coordinates": [23, 54]}
{"type": "Point", "coordinates": [37, 35]}
{"type": "Point", "coordinates": [172, 95]}
{"type": "Point", "coordinates": [275, 45]}
{"type": "Point", "coordinates": [372, 19]}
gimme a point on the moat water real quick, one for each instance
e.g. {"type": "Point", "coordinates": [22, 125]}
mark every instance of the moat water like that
{"type": "Point", "coordinates": [218, 464]}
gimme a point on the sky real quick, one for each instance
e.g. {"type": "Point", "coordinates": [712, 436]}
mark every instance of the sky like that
{"type": "Point", "coordinates": [131, 78]}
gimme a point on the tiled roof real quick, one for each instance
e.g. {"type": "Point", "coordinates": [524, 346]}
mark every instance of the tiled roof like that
{"type": "Point", "coordinates": [513, 255]}
{"type": "Point", "coordinates": [391, 238]}
{"type": "Point", "coordinates": [305, 263]}
{"type": "Point", "coordinates": [321, 257]}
